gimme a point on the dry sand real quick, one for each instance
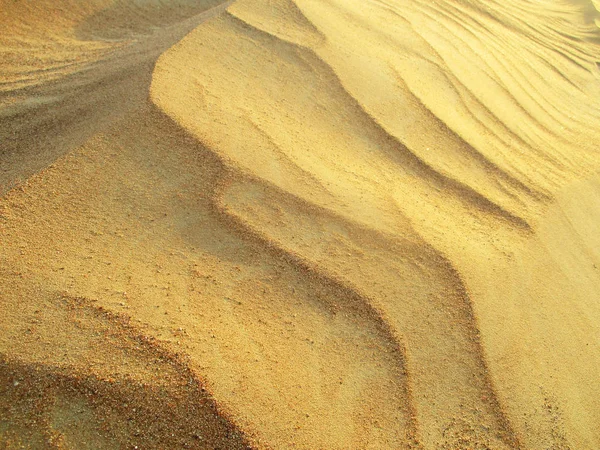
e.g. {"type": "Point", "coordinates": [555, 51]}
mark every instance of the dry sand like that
{"type": "Point", "coordinates": [312, 224]}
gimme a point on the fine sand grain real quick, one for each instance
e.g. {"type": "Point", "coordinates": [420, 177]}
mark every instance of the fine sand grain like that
{"type": "Point", "coordinates": [312, 224]}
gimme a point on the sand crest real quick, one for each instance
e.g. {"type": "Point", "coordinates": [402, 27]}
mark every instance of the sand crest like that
{"type": "Point", "coordinates": [300, 224]}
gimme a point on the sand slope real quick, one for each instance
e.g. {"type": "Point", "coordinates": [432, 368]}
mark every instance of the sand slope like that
{"type": "Point", "coordinates": [315, 224]}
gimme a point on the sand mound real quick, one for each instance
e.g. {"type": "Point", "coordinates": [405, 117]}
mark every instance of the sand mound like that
{"type": "Point", "coordinates": [70, 68]}
{"type": "Point", "coordinates": [331, 224]}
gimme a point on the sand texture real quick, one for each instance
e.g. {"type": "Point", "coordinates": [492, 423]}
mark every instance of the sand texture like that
{"type": "Point", "coordinates": [309, 224]}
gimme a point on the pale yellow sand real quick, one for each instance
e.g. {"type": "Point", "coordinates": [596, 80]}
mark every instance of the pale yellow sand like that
{"type": "Point", "coordinates": [304, 224]}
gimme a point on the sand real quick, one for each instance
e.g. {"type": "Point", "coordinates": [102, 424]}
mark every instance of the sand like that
{"type": "Point", "coordinates": [312, 224]}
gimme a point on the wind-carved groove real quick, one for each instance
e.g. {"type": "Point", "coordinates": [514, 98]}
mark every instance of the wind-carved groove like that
{"type": "Point", "coordinates": [436, 53]}
{"type": "Point", "coordinates": [510, 436]}
{"type": "Point", "coordinates": [515, 67]}
{"type": "Point", "coordinates": [488, 165]}
{"type": "Point", "coordinates": [357, 295]}
{"type": "Point", "coordinates": [460, 321]}
{"type": "Point", "coordinates": [358, 302]}
{"type": "Point", "coordinates": [392, 147]}
{"type": "Point", "coordinates": [449, 16]}
{"type": "Point", "coordinates": [295, 16]}
{"type": "Point", "coordinates": [552, 164]}
{"type": "Point", "coordinates": [313, 179]}
{"type": "Point", "coordinates": [163, 416]}
{"type": "Point", "coordinates": [224, 172]}
{"type": "Point", "coordinates": [503, 16]}
{"type": "Point", "coordinates": [362, 300]}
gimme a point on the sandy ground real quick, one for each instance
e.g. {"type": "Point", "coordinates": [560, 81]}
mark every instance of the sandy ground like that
{"type": "Point", "coordinates": [312, 224]}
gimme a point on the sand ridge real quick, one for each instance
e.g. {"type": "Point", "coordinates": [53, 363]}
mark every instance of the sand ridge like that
{"type": "Point", "coordinates": [317, 224]}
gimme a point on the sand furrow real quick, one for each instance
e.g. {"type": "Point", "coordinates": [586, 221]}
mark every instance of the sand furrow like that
{"type": "Point", "coordinates": [314, 224]}
{"type": "Point", "coordinates": [254, 326]}
{"type": "Point", "coordinates": [517, 89]}
{"type": "Point", "coordinates": [452, 349]}
{"type": "Point", "coordinates": [388, 144]}
{"type": "Point", "coordinates": [111, 385]}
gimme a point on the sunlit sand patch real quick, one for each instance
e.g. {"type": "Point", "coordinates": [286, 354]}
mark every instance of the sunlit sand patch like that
{"type": "Point", "coordinates": [299, 224]}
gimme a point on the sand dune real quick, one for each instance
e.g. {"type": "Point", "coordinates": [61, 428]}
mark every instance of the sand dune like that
{"type": "Point", "coordinates": [300, 224]}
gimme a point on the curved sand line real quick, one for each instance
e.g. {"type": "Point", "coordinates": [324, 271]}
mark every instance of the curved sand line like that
{"type": "Point", "coordinates": [334, 224]}
{"type": "Point", "coordinates": [218, 117]}
{"type": "Point", "coordinates": [126, 389]}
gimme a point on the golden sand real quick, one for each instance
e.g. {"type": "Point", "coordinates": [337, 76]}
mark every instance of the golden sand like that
{"type": "Point", "coordinates": [313, 224]}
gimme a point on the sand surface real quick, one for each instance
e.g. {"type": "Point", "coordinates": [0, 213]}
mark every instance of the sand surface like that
{"type": "Point", "coordinates": [311, 224]}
